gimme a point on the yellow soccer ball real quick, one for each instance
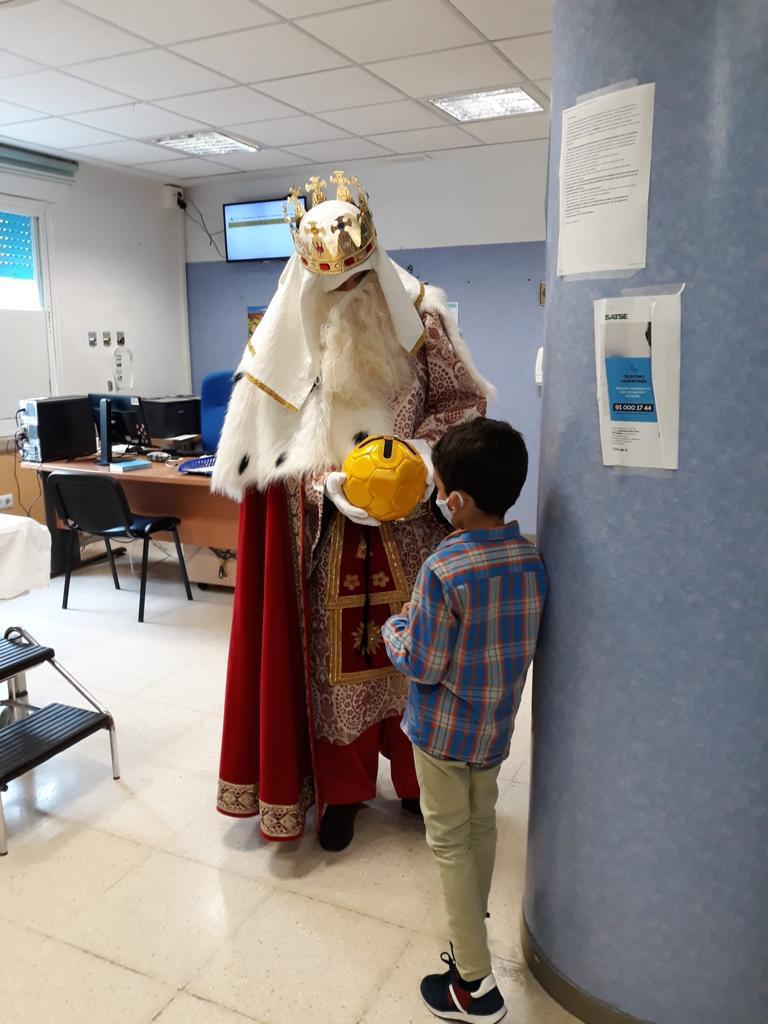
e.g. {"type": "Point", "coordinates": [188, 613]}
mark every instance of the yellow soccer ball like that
{"type": "Point", "coordinates": [385, 477]}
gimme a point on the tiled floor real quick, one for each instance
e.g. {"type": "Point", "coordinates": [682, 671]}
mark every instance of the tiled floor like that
{"type": "Point", "coordinates": [133, 901]}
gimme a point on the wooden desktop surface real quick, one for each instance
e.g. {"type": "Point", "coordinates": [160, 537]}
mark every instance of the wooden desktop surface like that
{"type": "Point", "coordinates": [207, 520]}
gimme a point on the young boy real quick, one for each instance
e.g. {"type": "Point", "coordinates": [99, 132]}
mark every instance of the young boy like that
{"type": "Point", "coordinates": [466, 641]}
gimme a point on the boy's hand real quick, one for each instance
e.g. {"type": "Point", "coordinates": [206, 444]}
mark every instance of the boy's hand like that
{"type": "Point", "coordinates": [405, 610]}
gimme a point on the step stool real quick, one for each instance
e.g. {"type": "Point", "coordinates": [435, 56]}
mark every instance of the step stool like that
{"type": "Point", "coordinates": [34, 734]}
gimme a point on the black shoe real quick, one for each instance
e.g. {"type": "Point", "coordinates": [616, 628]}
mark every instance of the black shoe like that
{"type": "Point", "coordinates": [337, 828]}
{"type": "Point", "coordinates": [412, 806]}
{"type": "Point", "coordinates": [449, 997]}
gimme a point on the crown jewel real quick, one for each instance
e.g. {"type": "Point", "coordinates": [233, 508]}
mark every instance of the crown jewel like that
{"type": "Point", "coordinates": [333, 236]}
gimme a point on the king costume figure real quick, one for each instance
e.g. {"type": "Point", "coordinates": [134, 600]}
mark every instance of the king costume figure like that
{"type": "Point", "coordinates": [351, 346]}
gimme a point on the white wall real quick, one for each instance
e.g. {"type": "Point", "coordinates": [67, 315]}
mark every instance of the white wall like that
{"type": "Point", "coordinates": [474, 196]}
{"type": "Point", "coordinates": [117, 262]}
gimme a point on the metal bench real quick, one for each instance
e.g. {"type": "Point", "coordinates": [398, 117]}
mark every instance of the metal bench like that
{"type": "Point", "coordinates": [34, 734]}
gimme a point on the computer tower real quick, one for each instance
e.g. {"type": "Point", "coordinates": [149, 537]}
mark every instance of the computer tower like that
{"type": "Point", "coordinates": [173, 415]}
{"type": "Point", "coordinates": [57, 428]}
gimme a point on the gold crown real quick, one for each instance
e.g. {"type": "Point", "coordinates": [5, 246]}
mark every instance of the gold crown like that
{"type": "Point", "coordinates": [331, 240]}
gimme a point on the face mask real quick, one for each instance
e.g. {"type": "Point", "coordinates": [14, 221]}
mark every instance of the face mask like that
{"type": "Point", "coordinates": [442, 504]}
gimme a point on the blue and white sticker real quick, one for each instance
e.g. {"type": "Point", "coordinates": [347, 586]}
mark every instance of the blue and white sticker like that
{"type": "Point", "coordinates": [630, 389]}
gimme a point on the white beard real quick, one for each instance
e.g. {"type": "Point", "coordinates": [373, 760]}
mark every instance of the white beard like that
{"type": "Point", "coordinates": [362, 370]}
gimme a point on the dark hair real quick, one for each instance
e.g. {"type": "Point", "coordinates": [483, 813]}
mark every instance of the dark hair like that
{"type": "Point", "coordinates": [486, 459]}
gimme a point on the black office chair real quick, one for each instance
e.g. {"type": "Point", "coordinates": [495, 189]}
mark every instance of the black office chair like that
{"type": "Point", "coordinates": [97, 505]}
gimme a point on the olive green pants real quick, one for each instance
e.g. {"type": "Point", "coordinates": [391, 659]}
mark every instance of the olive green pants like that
{"type": "Point", "coordinates": [459, 807]}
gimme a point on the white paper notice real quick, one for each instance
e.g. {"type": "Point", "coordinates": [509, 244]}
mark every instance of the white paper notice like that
{"type": "Point", "coordinates": [637, 359]}
{"type": "Point", "coordinates": [605, 170]}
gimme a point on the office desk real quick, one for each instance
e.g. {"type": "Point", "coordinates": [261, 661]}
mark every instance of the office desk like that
{"type": "Point", "coordinates": [207, 520]}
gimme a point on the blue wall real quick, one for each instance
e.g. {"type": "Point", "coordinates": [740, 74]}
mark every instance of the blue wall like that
{"type": "Point", "coordinates": [647, 869]}
{"type": "Point", "coordinates": [496, 286]}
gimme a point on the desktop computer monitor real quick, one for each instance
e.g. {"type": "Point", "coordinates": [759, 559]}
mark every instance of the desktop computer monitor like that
{"type": "Point", "coordinates": [127, 423]}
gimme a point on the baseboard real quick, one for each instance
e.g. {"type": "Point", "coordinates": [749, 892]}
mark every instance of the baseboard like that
{"type": "Point", "coordinates": [572, 998]}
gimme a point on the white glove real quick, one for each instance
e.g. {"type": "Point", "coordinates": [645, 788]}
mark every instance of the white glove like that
{"type": "Point", "coordinates": [425, 451]}
{"type": "Point", "coordinates": [334, 488]}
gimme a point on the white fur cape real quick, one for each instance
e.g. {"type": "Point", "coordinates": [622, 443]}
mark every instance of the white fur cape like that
{"type": "Point", "coordinates": [264, 440]}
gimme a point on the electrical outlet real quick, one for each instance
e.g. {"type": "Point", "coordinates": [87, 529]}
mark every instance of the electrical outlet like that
{"type": "Point", "coordinates": [6, 501]}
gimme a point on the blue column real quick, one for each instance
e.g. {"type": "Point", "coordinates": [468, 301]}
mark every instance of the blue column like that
{"type": "Point", "coordinates": [648, 842]}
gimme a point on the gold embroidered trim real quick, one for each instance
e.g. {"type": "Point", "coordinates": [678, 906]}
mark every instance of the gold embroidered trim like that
{"type": "Point", "coordinates": [394, 598]}
{"type": "Point", "coordinates": [268, 391]}
{"type": "Point", "coordinates": [286, 821]}
{"type": "Point", "coordinates": [237, 799]}
{"type": "Point", "coordinates": [420, 296]}
{"type": "Point", "coordinates": [369, 675]}
{"type": "Point", "coordinates": [400, 591]}
{"type": "Point", "coordinates": [416, 348]}
{"type": "Point", "coordinates": [251, 347]}
{"type": "Point", "coordinates": [279, 821]}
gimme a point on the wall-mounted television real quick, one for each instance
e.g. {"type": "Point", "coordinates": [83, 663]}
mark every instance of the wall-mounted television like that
{"type": "Point", "coordinates": [257, 231]}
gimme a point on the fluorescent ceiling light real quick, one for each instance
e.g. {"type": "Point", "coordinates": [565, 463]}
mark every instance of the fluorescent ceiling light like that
{"type": "Point", "coordinates": [205, 143]}
{"type": "Point", "coordinates": [479, 106]}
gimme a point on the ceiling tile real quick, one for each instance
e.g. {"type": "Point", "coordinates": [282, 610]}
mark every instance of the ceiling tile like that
{"type": "Point", "coordinates": [545, 84]}
{"type": "Point", "coordinates": [518, 128]}
{"type": "Point", "coordinates": [297, 8]}
{"type": "Point", "coordinates": [228, 106]}
{"type": "Point", "coordinates": [261, 53]}
{"type": "Point", "coordinates": [426, 141]}
{"type": "Point", "coordinates": [500, 18]}
{"type": "Point", "coordinates": [533, 54]}
{"type": "Point", "coordinates": [385, 117]}
{"type": "Point", "coordinates": [150, 75]}
{"type": "Point", "coordinates": [175, 171]}
{"type": "Point", "coordinates": [264, 160]}
{"type": "Point", "coordinates": [343, 149]}
{"type": "Point", "coordinates": [452, 71]}
{"type": "Point", "coordinates": [10, 113]}
{"type": "Point", "coordinates": [124, 152]}
{"type": "Point", "coordinates": [289, 130]}
{"type": "Point", "coordinates": [171, 21]}
{"type": "Point", "coordinates": [56, 133]}
{"type": "Point", "coordinates": [330, 90]}
{"type": "Point", "coordinates": [376, 32]}
{"type": "Point", "coordinates": [137, 120]}
{"type": "Point", "coordinates": [53, 33]}
{"type": "Point", "coordinates": [10, 64]}
{"type": "Point", "coordinates": [57, 93]}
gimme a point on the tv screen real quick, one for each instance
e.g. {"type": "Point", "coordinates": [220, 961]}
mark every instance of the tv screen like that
{"type": "Point", "coordinates": [257, 231]}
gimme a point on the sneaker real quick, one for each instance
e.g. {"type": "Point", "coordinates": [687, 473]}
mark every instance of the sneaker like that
{"type": "Point", "coordinates": [449, 997]}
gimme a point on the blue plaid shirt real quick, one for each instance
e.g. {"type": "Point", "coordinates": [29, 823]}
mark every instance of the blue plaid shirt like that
{"type": "Point", "coordinates": [467, 642]}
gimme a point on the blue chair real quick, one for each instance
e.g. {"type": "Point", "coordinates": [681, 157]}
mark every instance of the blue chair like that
{"type": "Point", "coordinates": [214, 398]}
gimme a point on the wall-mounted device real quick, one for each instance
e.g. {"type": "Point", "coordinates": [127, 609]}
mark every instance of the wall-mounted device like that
{"type": "Point", "coordinates": [122, 368]}
{"type": "Point", "coordinates": [106, 338]}
{"type": "Point", "coordinates": [257, 231]}
{"type": "Point", "coordinates": [57, 428]}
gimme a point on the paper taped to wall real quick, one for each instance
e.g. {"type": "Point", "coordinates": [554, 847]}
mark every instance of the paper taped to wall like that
{"type": "Point", "coordinates": [637, 361]}
{"type": "Point", "coordinates": [605, 170]}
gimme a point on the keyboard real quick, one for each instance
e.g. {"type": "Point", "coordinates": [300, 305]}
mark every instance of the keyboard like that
{"type": "Point", "coordinates": [201, 467]}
